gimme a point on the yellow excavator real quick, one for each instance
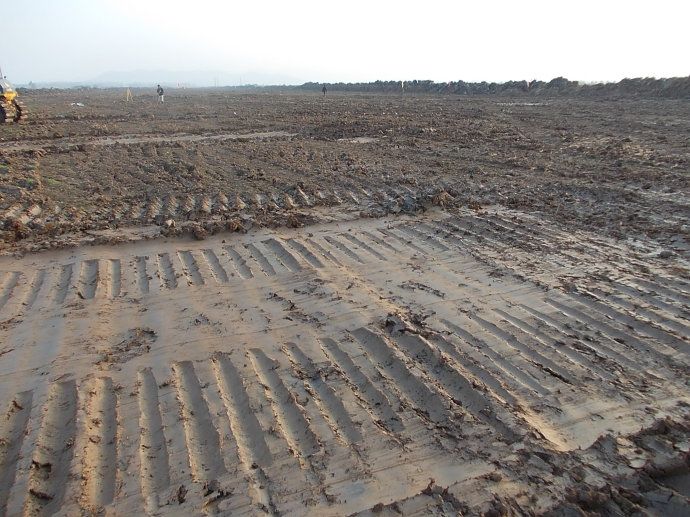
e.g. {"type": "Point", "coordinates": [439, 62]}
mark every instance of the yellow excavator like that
{"type": "Point", "coordinates": [11, 110]}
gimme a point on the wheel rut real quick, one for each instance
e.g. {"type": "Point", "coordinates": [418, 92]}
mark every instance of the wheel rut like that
{"type": "Point", "coordinates": [320, 370]}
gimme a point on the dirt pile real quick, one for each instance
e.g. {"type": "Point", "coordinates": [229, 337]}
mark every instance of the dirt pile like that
{"type": "Point", "coordinates": [671, 88]}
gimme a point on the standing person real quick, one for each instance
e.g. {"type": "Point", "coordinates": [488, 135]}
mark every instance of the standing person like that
{"type": "Point", "coordinates": [324, 90]}
{"type": "Point", "coordinates": [161, 96]}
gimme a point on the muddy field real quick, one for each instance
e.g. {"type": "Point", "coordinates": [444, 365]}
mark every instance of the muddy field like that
{"type": "Point", "coordinates": [280, 303]}
{"type": "Point", "coordinates": [619, 167]}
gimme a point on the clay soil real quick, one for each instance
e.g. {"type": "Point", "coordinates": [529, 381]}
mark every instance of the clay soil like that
{"type": "Point", "coordinates": [618, 166]}
{"type": "Point", "coordinates": [279, 303]}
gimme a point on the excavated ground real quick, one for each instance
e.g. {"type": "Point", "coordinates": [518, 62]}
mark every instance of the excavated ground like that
{"type": "Point", "coordinates": [425, 305]}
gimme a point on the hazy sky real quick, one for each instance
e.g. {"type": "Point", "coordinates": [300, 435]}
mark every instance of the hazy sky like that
{"type": "Point", "coordinates": [347, 40]}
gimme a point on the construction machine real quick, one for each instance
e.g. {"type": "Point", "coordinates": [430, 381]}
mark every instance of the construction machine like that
{"type": "Point", "coordinates": [11, 110]}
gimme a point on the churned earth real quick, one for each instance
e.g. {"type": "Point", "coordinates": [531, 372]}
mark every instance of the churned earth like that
{"type": "Point", "coordinates": [279, 303]}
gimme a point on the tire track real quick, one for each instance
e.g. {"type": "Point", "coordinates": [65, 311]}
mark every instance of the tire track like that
{"type": "Point", "coordinates": [459, 388]}
{"type": "Point", "coordinates": [215, 266]}
{"type": "Point", "coordinates": [143, 281]}
{"type": "Point", "coordinates": [528, 353]}
{"type": "Point", "coordinates": [263, 263]}
{"type": "Point", "coordinates": [324, 252]}
{"type": "Point", "coordinates": [286, 258]}
{"type": "Point", "coordinates": [99, 457]}
{"type": "Point", "coordinates": [63, 283]}
{"type": "Point", "coordinates": [331, 406]}
{"type": "Point", "coordinates": [294, 425]}
{"type": "Point", "coordinates": [166, 272]}
{"type": "Point", "coordinates": [190, 268]}
{"type": "Point", "coordinates": [354, 240]}
{"type": "Point", "coordinates": [598, 350]}
{"type": "Point", "coordinates": [519, 378]}
{"type": "Point", "coordinates": [153, 449]}
{"type": "Point", "coordinates": [378, 241]}
{"type": "Point", "coordinates": [372, 399]}
{"type": "Point", "coordinates": [8, 286]}
{"type": "Point", "coordinates": [12, 433]}
{"type": "Point", "coordinates": [114, 275]}
{"type": "Point", "coordinates": [609, 331]}
{"type": "Point", "coordinates": [406, 242]}
{"type": "Point", "coordinates": [305, 252]}
{"type": "Point", "coordinates": [559, 347]}
{"type": "Point", "coordinates": [342, 248]}
{"type": "Point", "coordinates": [239, 263]}
{"type": "Point", "coordinates": [661, 328]}
{"type": "Point", "coordinates": [54, 450]}
{"type": "Point", "coordinates": [202, 438]}
{"type": "Point", "coordinates": [88, 279]}
{"type": "Point", "coordinates": [430, 240]}
{"type": "Point", "coordinates": [38, 283]}
{"type": "Point", "coordinates": [388, 363]}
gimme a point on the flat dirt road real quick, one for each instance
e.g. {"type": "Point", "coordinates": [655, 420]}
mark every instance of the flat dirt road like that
{"type": "Point", "coordinates": [431, 324]}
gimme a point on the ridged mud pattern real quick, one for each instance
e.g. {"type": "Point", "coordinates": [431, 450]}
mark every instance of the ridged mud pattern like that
{"type": "Point", "coordinates": [142, 273]}
{"type": "Point", "coordinates": [375, 401]}
{"type": "Point", "coordinates": [202, 439]}
{"type": "Point", "coordinates": [284, 256]}
{"type": "Point", "coordinates": [390, 364]}
{"type": "Point", "coordinates": [38, 283]}
{"type": "Point", "coordinates": [290, 416]}
{"type": "Point", "coordinates": [8, 285]}
{"type": "Point", "coordinates": [329, 402]}
{"type": "Point", "coordinates": [88, 279]}
{"type": "Point", "coordinates": [190, 268]}
{"type": "Point", "coordinates": [264, 265]}
{"type": "Point", "coordinates": [153, 447]}
{"type": "Point", "coordinates": [99, 453]}
{"type": "Point", "coordinates": [239, 263]}
{"type": "Point", "coordinates": [54, 450]}
{"type": "Point", "coordinates": [216, 268]}
{"type": "Point", "coordinates": [459, 388]}
{"type": "Point", "coordinates": [114, 287]}
{"type": "Point", "coordinates": [305, 252]}
{"type": "Point", "coordinates": [252, 449]}
{"type": "Point", "coordinates": [166, 271]}
{"type": "Point", "coordinates": [323, 370]}
{"type": "Point", "coordinates": [14, 426]}
{"type": "Point", "coordinates": [343, 248]}
{"type": "Point", "coordinates": [324, 252]}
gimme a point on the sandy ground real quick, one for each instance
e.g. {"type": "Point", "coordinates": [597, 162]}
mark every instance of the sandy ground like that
{"type": "Point", "coordinates": [251, 304]}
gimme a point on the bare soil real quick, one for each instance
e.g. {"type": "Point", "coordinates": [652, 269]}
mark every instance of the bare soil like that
{"type": "Point", "coordinates": [618, 166]}
{"type": "Point", "coordinates": [280, 303]}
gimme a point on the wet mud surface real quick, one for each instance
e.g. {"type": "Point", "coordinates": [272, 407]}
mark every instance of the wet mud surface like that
{"type": "Point", "coordinates": [619, 166]}
{"type": "Point", "coordinates": [359, 305]}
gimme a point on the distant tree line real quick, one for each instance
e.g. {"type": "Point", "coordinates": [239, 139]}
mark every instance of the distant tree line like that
{"type": "Point", "coordinates": [677, 87]}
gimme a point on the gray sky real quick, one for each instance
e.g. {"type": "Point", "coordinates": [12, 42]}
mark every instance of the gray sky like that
{"type": "Point", "coordinates": [346, 40]}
